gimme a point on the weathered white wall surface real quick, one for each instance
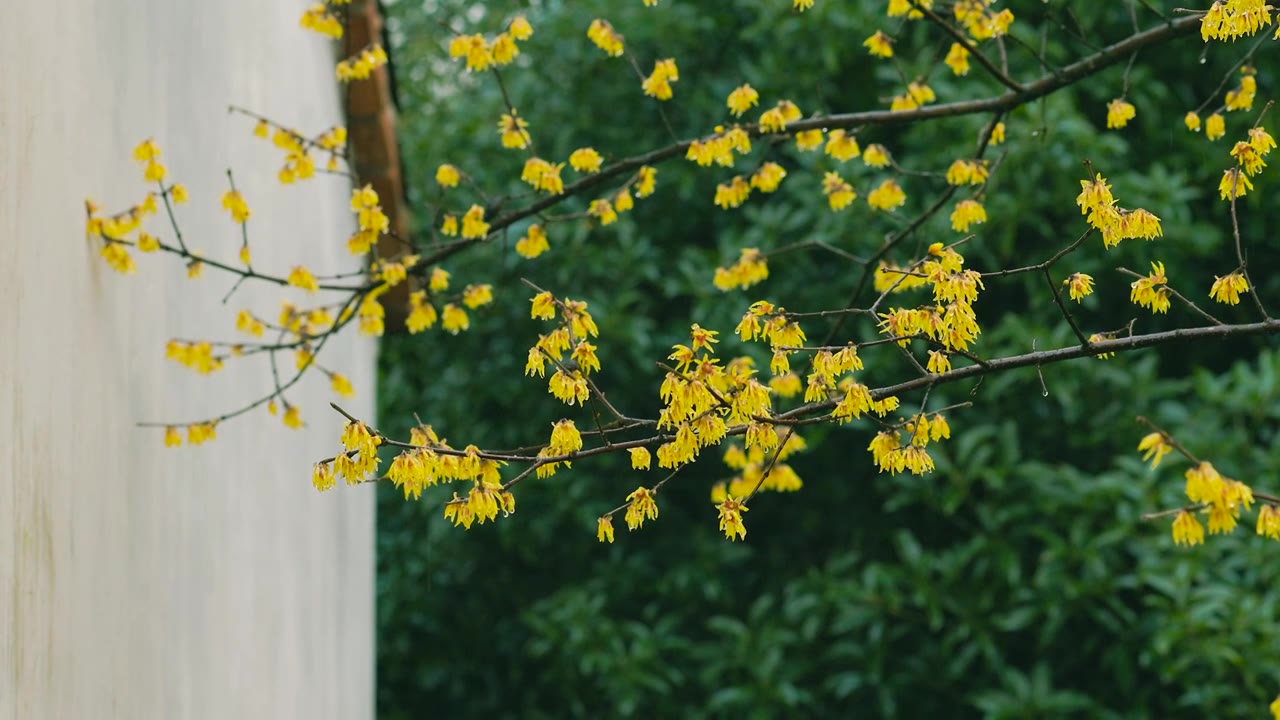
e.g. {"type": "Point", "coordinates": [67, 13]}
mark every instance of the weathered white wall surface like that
{"type": "Point", "coordinates": [138, 581]}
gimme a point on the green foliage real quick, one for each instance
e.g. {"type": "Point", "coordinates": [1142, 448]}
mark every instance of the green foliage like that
{"type": "Point", "coordinates": [1018, 580]}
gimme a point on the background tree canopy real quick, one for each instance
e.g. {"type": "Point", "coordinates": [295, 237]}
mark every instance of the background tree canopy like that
{"type": "Point", "coordinates": [1017, 580]}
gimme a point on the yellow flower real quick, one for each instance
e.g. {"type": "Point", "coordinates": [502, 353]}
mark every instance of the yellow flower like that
{"type": "Point", "coordinates": [474, 296]}
{"type": "Point", "coordinates": [640, 458]}
{"type": "Point", "coordinates": [646, 181]}
{"type": "Point", "coordinates": [293, 417]}
{"type": "Point", "coordinates": [603, 210]}
{"type": "Point", "coordinates": [147, 243]}
{"type": "Point", "coordinates": [439, 279]}
{"type": "Point", "coordinates": [473, 225]}
{"type": "Point", "coordinates": [966, 214]}
{"type": "Point", "coordinates": [938, 362]}
{"type": "Point", "coordinates": [1149, 291]}
{"type": "Point", "coordinates": [742, 99]}
{"type": "Point", "coordinates": [322, 477]}
{"type": "Point", "coordinates": [118, 258]}
{"type": "Point", "coordinates": [768, 177]}
{"type": "Point", "coordinates": [1269, 527]}
{"type": "Point", "coordinates": [801, 5]}
{"type": "Point", "coordinates": [585, 160]}
{"type": "Point", "coordinates": [544, 306]}
{"type": "Point", "coordinates": [533, 243]}
{"type": "Point", "coordinates": [875, 156]}
{"type": "Point", "coordinates": [300, 277]}
{"type": "Point", "coordinates": [1187, 530]}
{"type": "Point", "coordinates": [641, 508]}
{"type": "Point", "coordinates": [807, 140]}
{"type": "Point", "coordinates": [520, 29]}
{"type": "Point", "coordinates": [172, 438]}
{"type": "Point", "coordinates": [233, 202]}
{"type": "Point", "coordinates": [1241, 98]}
{"type": "Point", "coordinates": [503, 50]}
{"type": "Point", "coordinates": [514, 131]}
{"type": "Point", "coordinates": [448, 175]}
{"type": "Point", "coordinates": [731, 511]}
{"type": "Point", "coordinates": [605, 37]}
{"type": "Point", "coordinates": [658, 84]}
{"type": "Point", "coordinates": [958, 59]}
{"type": "Point", "coordinates": [1119, 113]}
{"type": "Point", "coordinates": [879, 45]}
{"type": "Point", "coordinates": [422, 314]}
{"type": "Point", "coordinates": [454, 319]}
{"type": "Point", "coordinates": [1154, 447]}
{"type": "Point", "coordinates": [1215, 126]}
{"type": "Point", "coordinates": [732, 194]}
{"type": "Point", "coordinates": [199, 433]}
{"type": "Point", "coordinates": [838, 191]}
{"type": "Point", "coordinates": [1261, 141]}
{"type": "Point", "coordinates": [448, 226]}
{"type": "Point", "coordinates": [1227, 289]}
{"type": "Point", "coordinates": [887, 196]}
{"type": "Point", "coordinates": [1192, 121]}
{"type": "Point", "coordinates": [842, 146]}
{"type": "Point", "coordinates": [146, 151]}
{"type": "Point", "coordinates": [1079, 285]}
{"type": "Point", "coordinates": [997, 134]}
{"type": "Point", "coordinates": [341, 385]}
{"type": "Point", "coordinates": [1234, 184]}
{"type": "Point", "coordinates": [604, 529]}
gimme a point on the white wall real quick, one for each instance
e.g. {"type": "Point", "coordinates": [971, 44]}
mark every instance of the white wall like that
{"type": "Point", "coordinates": [138, 581]}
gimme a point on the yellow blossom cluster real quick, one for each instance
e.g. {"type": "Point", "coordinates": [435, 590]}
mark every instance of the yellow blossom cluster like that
{"type": "Point", "coordinates": [1248, 155]}
{"type": "Point", "coordinates": [1232, 19]}
{"type": "Point", "coordinates": [967, 172]}
{"type": "Point", "coordinates": [658, 84]}
{"type": "Point", "coordinates": [247, 323]}
{"type": "Point", "coordinates": [702, 400]}
{"type": "Point", "coordinates": [361, 66]}
{"type": "Point", "coordinates": [750, 269]}
{"type": "Point", "coordinates": [317, 18]}
{"type": "Point", "coordinates": [982, 23]}
{"type": "Point", "coordinates": [481, 54]}
{"type": "Point", "coordinates": [514, 131]}
{"type": "Point", "coordinates": [233, 202]}
{"type": "Point", "coordinates": [1115, 223]}
{"type": "Point", "coordinates": [605, 37]}
{"type": "Point", "coordinates": [768, 177]}
{"type": "Point", "coordinates": [719, 148]}
{"type": "Point", "coordinates": [1222, 498]}
{"type": "Point", "coordinates": [370, 218]}
{"type": "Point", "coordinates": [1241, 97]}
{"type": "Point", "coordinates": [1151, 291]}
{"type": "Point", "coordinates": [197, 356]}
{"type": "Point", "coordinates": [776, 118]}
{"type": "Point", "coordinates": [917, 95]}
{"type": "Point", "coordinates": [898, 8]}
{"type": "Point", "coordinates": [889, 453]}
{"type": "Point", "coordinates": [569, 381]}
{"type": "Point", "coordinates": [298, 163]}
{"type": "Point", "coordinates": [951, 321]}
{"type": "Point", "coordinates": [542, 175]}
